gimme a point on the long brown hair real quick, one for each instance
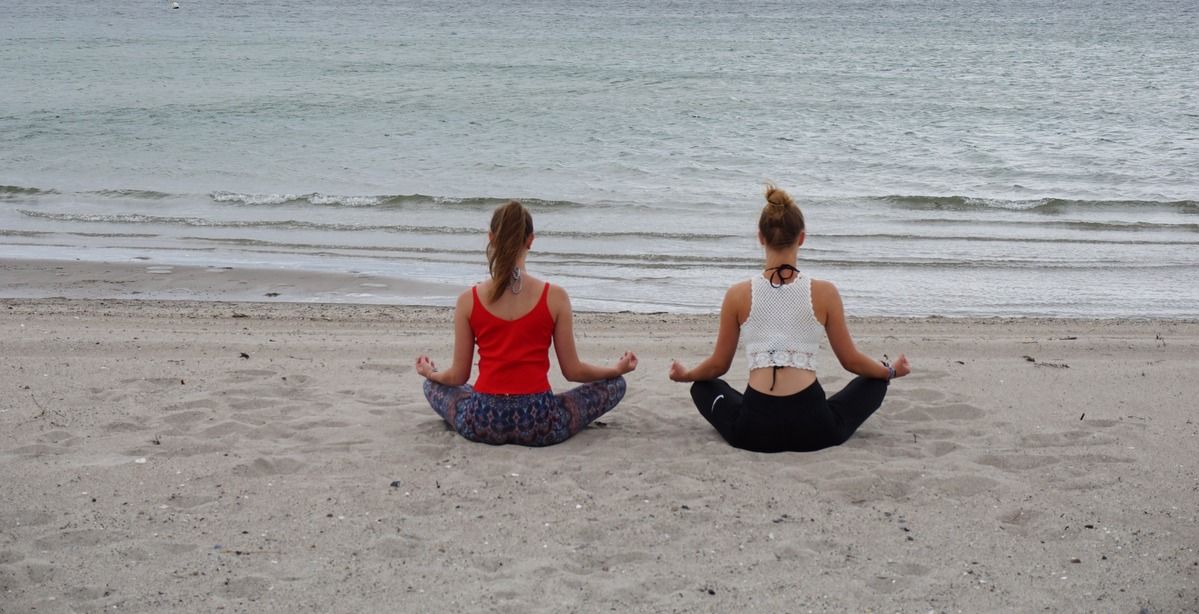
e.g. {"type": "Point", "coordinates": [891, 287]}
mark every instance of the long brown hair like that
{"type": "Point", "coordinates": [511, 227]}
{"type": "Point", "coordinates": [781, 221]}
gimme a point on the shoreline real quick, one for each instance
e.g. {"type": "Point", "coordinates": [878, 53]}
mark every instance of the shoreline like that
{"type": "Point", "coordinates": [147, 281]}
{"type": "Point", "coordinates": [283, 309]}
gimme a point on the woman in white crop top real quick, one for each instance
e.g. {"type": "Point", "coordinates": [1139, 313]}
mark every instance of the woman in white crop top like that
{"type": "Point", "coordinates": [781, 315]}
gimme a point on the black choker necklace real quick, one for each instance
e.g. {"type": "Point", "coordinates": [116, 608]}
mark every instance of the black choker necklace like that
{"type": "Point", "coordinates": [783, 273]}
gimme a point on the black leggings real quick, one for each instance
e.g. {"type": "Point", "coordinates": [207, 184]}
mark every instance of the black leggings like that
{"type": "Point", "coordinates": [802, 422]}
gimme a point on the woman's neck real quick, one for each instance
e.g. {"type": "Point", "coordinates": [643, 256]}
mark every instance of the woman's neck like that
{"type": "Point", "coordinates": [776, 258]}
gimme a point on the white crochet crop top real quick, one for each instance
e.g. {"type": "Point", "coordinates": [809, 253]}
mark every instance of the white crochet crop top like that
{"type": "Point", "coordinates": [782, 330]}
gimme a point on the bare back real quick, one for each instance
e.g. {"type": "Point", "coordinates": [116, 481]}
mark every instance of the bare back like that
{"type": "Point", "coordinates": [512, 306]}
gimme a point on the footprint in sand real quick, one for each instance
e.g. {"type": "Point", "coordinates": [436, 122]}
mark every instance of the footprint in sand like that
{"type": "Point", "coordinates": [956, 411]}
{"type": "Point", "coordinates": [1017, 461]}
{"type": "Point", "coordinates": [188, 448]}
{"type": "Point", "coordinates": [242, 376]}
{"type": "Point", "coordinates": [874, 488]}
{"type": "Point", "coordinates": [82, 538]}
{"type": "Point", "coordinates": [325, 423]}
{"type": "Point", "coordinates": [1020, 520]}
{"type": "Point", "coordinates": [38, 449]}
{"type": "Point", "coordinates": [375, 400]}
{"type": "Point", "coordinates": [83, 594]}
{"type": "Point", "coordinates": [247, 418]}
{"type": "Point", "coordinates": [792, 552]}
{"type": "Point", "coordinates": [897, 577]}
{"type": "Point", "coordinates": [150, 383]}
{"type": "Point", "coordinates": [187, 502]}
{"type": "Point", "coordinates": [225, 429]}
{"type": "Point", "coordinates": [398, 546]}
{"type": "Point", "coordinates": [398, 369]}
{"type": "Point", "coordinates": [915, 414]}
{"type": "Point", "coordinates": [207, 404]}
{"type": "Point", "coordinates": [960, 486]}
{"type": "Point", "coordinates": [253, 404]}
{"type": "Point", "coordinates": [265, 467]}
{"type": "Point", "coordinates": [1066, 439]}
{"type": "Point", "coordinates": [186, 418]}
{"type": "Point", "coordinates": [1097, 459]}
{"type": "Point", "coordinates": [923, 395]}
{"type": "Point", "coordinates": [59, 437]}
{"type": "Point", "coordinates": [940, 448]}
{"type": "Point", "coordinates": [927, 413]}
{"type": "Point", "coordinates": [246, 587]}
{"type": "Point", "coordinates": [123, 427]}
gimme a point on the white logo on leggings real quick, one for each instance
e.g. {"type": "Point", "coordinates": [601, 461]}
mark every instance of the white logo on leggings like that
{"type": "Point", "coordinates": [715, 401]}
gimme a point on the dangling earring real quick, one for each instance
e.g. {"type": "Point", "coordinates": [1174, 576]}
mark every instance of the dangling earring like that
{"type": "Point", "coordinates": [517, 283]}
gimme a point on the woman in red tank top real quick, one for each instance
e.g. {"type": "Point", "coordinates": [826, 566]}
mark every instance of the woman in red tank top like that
{"type": "Point", "coordinates": [514, 318]}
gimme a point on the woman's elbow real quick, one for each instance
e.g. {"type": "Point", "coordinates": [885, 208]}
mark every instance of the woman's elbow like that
{"type": "Point", "coordinates": [457, 378]}
{"type": "Point", "coordinates": [717, 369]}
{"type": "Point", "coordinates": [722, 368]}
{"type": "Point", "coordinates": [573, 373]}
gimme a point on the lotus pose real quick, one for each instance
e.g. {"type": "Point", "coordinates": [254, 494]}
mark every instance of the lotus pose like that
{"type": "Point", "coordinates": [781, 315]}
{"type": "Point", "coordinates": [514, 317]}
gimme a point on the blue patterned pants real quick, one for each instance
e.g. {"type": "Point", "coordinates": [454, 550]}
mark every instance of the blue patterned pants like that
{"type": "Point", "coordinates": [540, 419]}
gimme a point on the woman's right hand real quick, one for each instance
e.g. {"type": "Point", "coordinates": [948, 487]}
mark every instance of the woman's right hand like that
{"type": "Point", "coordinates": [425, 366]}
{"type": "Point", "coordinates": [901, 366]}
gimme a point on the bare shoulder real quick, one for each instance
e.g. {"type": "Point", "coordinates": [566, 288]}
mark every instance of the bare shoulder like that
{"type": "Point", "coordinates": [557, 292]}
{"type": "Point", "coordinates": [557, 295]}
{"type": "Point", "coordinates": [823, 287]}
{"type": "Point", "coordinates": [737, 301]}
{"type": "Point", "coordinates": [557, 300]}
{"type": "Point", "coordinates": [466, 301]}
{"type": "Point", "coordinates": [825, 300]}
{"type": "Point", "coordinates": [741, 289]}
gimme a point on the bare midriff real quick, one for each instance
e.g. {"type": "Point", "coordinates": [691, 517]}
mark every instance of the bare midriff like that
{"type": "Point", "coordinates": [780, 381]}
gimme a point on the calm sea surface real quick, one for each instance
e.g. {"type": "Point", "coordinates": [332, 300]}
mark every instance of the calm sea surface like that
{"type": "Point", "coordinates": [953, 158]}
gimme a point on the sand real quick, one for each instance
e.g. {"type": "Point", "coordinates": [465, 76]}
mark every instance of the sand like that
{"type": "Point", "coordinates": [253, 457]}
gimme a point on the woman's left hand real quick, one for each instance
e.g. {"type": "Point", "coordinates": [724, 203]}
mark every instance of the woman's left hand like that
{"type": "Point", "coordinates": [425, 366]}
{"type": "Point", "coordinates": [678, 372]}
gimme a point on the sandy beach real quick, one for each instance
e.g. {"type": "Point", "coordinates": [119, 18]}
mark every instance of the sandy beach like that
{"type": "Point", "coordinates": [203, 456]}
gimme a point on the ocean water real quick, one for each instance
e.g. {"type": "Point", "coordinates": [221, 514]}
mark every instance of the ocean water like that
{"type": "Point", "coordinates": [966, 158]}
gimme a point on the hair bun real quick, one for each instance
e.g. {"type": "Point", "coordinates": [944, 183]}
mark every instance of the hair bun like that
{"type": "Point", "coordinates": [778, 197]}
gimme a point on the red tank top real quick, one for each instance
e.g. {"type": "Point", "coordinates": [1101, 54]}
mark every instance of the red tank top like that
{"type": "Point", "coordinates": [514, 355]}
